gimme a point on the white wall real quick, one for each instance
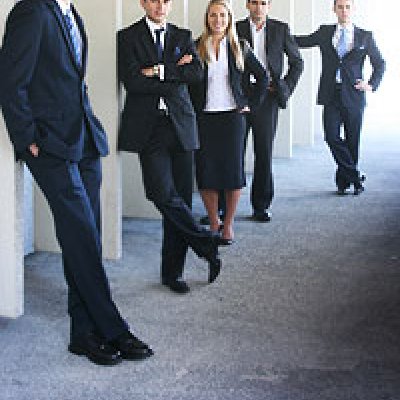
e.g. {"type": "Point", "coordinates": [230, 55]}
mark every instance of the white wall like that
{"type": "Point", "coordinates": [11, 218]}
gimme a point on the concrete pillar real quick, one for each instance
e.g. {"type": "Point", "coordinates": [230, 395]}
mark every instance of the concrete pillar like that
{"type": "Point", "coordinates": [102, 81]}
{"type": "Point", "coordinates": [284, 11]}
{"type": "Point", "coordinates": [11, 217]}
{"type": "Point", "coordinates": [323, 14]}
{"type": "Point", "coordinates": [303, 99]}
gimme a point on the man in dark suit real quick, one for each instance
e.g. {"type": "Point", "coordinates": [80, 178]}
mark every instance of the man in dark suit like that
{"type": "Point", "coordinates": [270, 40]}
{"type": "Point", "coordinates": [156, 62]}
{"type": "Point", "coordinates": [344, 48]}
{"type": "Point", "coordinates": [54, 131]}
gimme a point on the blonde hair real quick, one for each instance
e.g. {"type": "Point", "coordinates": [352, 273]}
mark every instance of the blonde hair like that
{"type": "Point", "coordinates": [231, 34]}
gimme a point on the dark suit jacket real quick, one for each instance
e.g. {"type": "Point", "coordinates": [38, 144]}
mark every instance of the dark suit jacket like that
{"type": "Point", "coordinates": [279, 41]}
{"type": "Point", "coordinates": [198, 91]}
{"type": "Point", "coordinates": [351, 65]}
{"type": "Point", "coordinates": [136, 50]}
{"type": "Point", "coordinates": [45, 100]}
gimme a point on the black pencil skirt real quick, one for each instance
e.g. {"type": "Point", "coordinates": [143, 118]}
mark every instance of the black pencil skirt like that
{"type": "Point", "coordinates": [219, 161]}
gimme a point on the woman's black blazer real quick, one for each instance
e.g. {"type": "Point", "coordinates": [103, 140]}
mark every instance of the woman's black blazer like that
{"type": "Point", "coordinates": [198, 91]}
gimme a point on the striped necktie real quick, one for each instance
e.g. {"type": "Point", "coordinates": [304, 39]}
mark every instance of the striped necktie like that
{"type": "Point", "coordinates": [74, 35]}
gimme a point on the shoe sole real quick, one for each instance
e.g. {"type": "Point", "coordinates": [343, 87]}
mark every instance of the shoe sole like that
{"type": "Point", "coordinates": [136, 357]}
{"type": "Point", "coordinates": [80, 352]}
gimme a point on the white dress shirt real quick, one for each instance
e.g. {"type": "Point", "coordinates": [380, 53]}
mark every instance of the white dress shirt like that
{"type": "Point", "coordinates": [348, 34]}
{"type": "Point", "coordinates": [349, 38]}
{"type": "Point", "coordinates": [64, 7]}
{"type": "Point", "coordinates": [219, 91]}
{"type": "Point", "coordinates": [259, 43]}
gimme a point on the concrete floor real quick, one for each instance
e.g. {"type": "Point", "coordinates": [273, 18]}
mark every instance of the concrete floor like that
{"type": "Point", "coordinates": [306, 307]}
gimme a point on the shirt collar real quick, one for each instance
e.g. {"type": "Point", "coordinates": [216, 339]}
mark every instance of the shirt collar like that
{"type": "Point", "coordinates": [254, 28]}
{"type": "Point", "coordinates": [349, 29]}
{"type": "Point", "coordinates": [153, 26]}
{"type": "Point", "coordinates": [63, 7]}
{"type": "Point", "coordinates": [223, 44]}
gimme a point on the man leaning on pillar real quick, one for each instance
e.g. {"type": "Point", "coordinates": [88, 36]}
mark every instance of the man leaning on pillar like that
{"type": "Point", "coordinates": [156, 62]}
{"type": "Point", "coordinates": [344, 49]}
{"type": "Point", "coordinates": [54, 131]}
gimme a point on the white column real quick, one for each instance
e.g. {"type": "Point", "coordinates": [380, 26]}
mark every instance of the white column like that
{"type": "Point", "coordinates": [284, 11]}
{"type": "Point", "coordinates": [11, 218]}
{"type": "Point", "coordinates": [101, 22]}
{"type": "Point", "coordinates": [303, 99]}
{"type": "Point", "coordinates": [323, 14]}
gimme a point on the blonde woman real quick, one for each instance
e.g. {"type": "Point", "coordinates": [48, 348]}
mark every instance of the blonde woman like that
{"type": "Point", "coordinates": [220, 104]}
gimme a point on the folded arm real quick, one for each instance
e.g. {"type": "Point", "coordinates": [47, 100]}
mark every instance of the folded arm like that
{"type": "Point", "coordinates": [133, 75]}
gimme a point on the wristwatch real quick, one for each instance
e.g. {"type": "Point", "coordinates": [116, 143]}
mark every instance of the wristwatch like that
{"type": "Point", "coordinates": [156, 70]}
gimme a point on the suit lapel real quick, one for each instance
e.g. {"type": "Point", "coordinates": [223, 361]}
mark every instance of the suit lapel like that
{"type": "Point", "coordinates": [148, 41]}
{"type": "Point", "coordinates": [60, 20]}
{"type": "Point", "coordinates": [331, 32]}
{"type": "Point", "coordinates": [169, 43]}
{"type": "Point", "coordinates": [356, 40]}
{"type": "Point", "coordinates": [269, 35]}
{"type": "Point", "coordinates": [247, 33]}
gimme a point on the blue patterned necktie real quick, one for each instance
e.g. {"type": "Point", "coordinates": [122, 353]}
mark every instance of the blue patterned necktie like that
{"type": "Point", "coordinates": [159, 45]}
{"type": "Point", "coordinates": [342, 45]}
{"type": "Point", "coordinates": [341, 49]}
{"type": "Point", "coordinates": [74, 35]}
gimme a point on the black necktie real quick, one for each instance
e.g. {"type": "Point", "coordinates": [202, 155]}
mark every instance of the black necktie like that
{"type": "Point", "coordinates": [159, 46]}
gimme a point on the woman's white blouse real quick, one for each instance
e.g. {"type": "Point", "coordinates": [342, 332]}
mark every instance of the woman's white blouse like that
{"type": "Point", "coordinates": [219, 93]}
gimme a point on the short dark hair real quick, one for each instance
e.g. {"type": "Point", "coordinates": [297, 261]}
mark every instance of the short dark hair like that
{"type": "Point", "coordinates": [335, 1]}
{"type": "Point", "coordinates": [268, 1]}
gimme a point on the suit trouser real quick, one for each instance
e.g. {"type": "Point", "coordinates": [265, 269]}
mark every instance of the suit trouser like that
{"type": "Point", "coordinates": [345, 151]}
{"type": "Point", "coordinates": [73, 194]}
{"type": "Point", "coordinates": [263, 123]}
{"type": "Point", "coordinates": [167, 171]}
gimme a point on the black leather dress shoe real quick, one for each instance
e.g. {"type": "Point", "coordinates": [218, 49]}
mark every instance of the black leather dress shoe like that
{"type": "Point", "coordinates": [215, 268]}
{"type": "Point", "coordinates": [95, 349]}
{"type": "Point", "coordinates": [130, 347]}
{"type": "Point", "coordinates": [341, 191]}
{"type": "Point", "coordinates": [176, 285]}
{"type": "Point", "coordinates": [214, 263]}
{"type": "Point", "coordinates": [358, 189]}
{"type": "Point", "coordinates": [261, 216]}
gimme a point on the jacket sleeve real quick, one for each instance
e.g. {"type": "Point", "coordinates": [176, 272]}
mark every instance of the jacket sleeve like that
{"type": "Point", "coordinates": [188, 73]}
{"type": "Point", "coordinates": [295, 61]}
{"type": "Point", "coordinates": [254, 67]}
{"type": "Point", "coordinates": [307, 41]}
{"type": "Point", "coordinates": [377, 62]}
{"type": "Point", "coordinates": [129, 72]}
{"type": "Point", "coordinates": [20, 51]}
